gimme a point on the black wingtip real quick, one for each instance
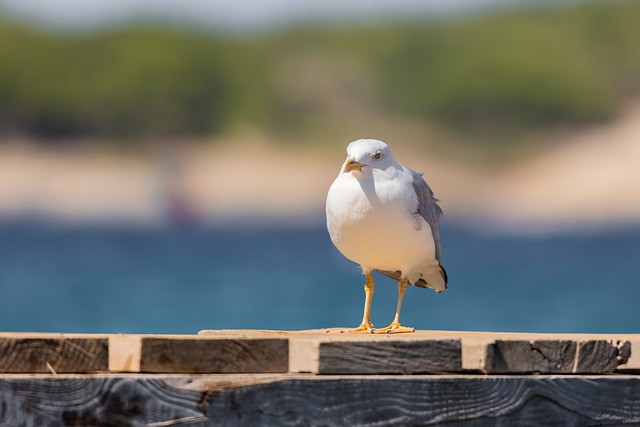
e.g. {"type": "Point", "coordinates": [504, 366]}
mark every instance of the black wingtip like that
{"type": "Point", "coordinates": [444, 276]}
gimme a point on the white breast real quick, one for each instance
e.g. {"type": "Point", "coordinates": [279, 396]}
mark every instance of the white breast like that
{"type": "Point", "coordinates": [376, 227]}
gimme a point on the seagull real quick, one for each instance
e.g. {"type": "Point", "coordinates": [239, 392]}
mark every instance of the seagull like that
{"type": "Point", "coordinates": [384, 217]}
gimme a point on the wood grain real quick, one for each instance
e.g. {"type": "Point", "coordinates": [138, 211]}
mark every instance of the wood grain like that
{"type": "Point", "coordinates": [239, 400]}
{"type": "Point", "coordinates": [431, 400]}
{"type": "Point", "coordinates": [602, 356]}
{"type": "Point", "coordinates": [556, 356]}
{"type": "Point", "coordinates": [545, 356]}
{"type": "Point", "coordinates": [93, 401]}
{"type": "Point", "coordinates": [201, 355]}
{"type": "Point", "coordinates": [53, 355]}
{"type": "Point", "coordinates": [321, 351]}
{"type": "Point", "coordinates": [390, 357]}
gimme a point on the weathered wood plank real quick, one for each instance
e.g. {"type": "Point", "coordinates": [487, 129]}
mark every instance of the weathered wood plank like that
{"type": "Point", "coordinates": [602, 356]}
{"type": "Point", "coordinates": [431, 400]}
{"type": "Point", "coordinates": [321, 351]}
{"type": "Point", "coordinates": [53, 355]}
{"type": "Point", "coordinates": [477, 349]}
{"type": "Point", "coordinates": [556, 356]}
{"type": "Point", "coordinates": [92, 401]}
{"type": "Point", "coordinates": [548, 357]}
{"type": "Point", "coordinates": [199, 355]}
{"type": "Point", "coordinates": [238, 400]}
{"type": "Point", "coordinates": [390, 357]}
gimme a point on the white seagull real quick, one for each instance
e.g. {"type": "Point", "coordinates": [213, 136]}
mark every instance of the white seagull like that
{"type": "Point", "coordinates": [384, 217]}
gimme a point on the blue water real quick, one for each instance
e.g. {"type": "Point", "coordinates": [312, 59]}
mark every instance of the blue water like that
{"type": "Point", "coordinates": [176, 280]}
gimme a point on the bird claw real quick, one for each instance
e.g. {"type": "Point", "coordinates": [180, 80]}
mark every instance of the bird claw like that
{"type": "Point", "coordinates": [364, 327]}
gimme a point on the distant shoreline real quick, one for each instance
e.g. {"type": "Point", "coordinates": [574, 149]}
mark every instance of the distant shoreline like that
{"type": "Point", "coordinates": [589, 178]}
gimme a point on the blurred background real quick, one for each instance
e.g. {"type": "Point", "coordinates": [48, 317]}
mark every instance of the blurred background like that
{"type": "Point", "coordinates": [164, 165]}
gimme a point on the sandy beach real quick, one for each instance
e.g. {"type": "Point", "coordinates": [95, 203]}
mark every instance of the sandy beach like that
{"type": "Point", "coordinates": [586, 178]}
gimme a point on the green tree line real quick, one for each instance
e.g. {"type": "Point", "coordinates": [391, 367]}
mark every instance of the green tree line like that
{"type": "Point", "coordinates": [518, 69]}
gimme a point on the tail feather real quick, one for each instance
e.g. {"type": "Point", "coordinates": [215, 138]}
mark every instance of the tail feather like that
{"type": "Point", "coordinates": [434, 278]}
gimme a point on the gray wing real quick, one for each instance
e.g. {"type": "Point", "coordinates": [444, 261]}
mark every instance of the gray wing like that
{"type": "Point", "coordinates": [428, 208]}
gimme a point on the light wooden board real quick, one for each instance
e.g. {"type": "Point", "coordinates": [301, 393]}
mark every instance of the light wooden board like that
{"type": "Point", "coordinates": [239, 400]}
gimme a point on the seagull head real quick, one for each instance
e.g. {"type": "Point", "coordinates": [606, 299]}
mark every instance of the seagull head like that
{"type": "Point", "coordinates": [367, 152]}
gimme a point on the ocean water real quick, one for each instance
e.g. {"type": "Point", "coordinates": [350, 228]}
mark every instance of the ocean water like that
{"type": "Point", "coordinates": [181, 280]}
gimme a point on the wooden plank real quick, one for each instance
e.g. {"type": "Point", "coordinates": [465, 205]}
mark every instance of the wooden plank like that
{"type": "Point", "coordinates": [430, 400]}
{"type": "Point", "coordinates": [601, 356]}
{"type": "Point", "coordinates": [544, 353]}
{"type": "Point", "coordinates": [546, 356]}
{"type": "Point", "coordinates": [508, 353]}
{"type": "Point", "coordinates": [235, 400]}
{"type": "Point", "coordinates": [53, 354]}
{"type": "Point", "coordinates": [332, 352]}
{"type": "Point", "coordinates": [390, 357]}
{"type": "Point", "coordinates": [556, 356]}
{"type": "Point", "coordinates": [97, 400]}
{"type": "Point", "coordinates": [214, 355]}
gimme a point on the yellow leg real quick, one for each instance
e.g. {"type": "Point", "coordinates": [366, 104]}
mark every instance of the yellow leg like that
{"type": "Point", "coordinates": [395, 327]}
{"type": "Point", "coordinates": [366, 325]}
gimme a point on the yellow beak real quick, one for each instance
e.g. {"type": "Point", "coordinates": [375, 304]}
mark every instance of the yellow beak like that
{"type": "Point", "coordinates": [350, 164]}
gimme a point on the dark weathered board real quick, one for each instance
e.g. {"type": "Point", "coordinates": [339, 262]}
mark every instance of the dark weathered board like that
{"type": "Point", "coordinates": [602, 356]}
{"type": "Point", "coordinates": [92, 401]}
{"type": "Point", "coordinates": [53, 355]}
{"type": "Point", "coordinates": [429, 400]}
{"type": "Point", "coordinates": [555, 356]}
{"type": "Point", "coordinates": [390, 357]}
{"type": "Point", "coordinates": [320, 400]}
{"type": "Point", "coordinates": [170, 355]}
{"type": "Point", "coordinates": [526, 357]}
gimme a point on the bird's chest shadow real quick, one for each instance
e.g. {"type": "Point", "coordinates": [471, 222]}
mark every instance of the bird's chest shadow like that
{"type": "Point", "coordinates": [369, 190]}
{"type": "Point", "coordinates": [372, 191]}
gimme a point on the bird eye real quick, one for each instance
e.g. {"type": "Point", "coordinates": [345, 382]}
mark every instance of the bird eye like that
{"type": "Point", "coordinates": [377, 155]}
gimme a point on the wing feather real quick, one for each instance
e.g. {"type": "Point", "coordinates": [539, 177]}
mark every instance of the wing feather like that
{"type": "Point", "coordinates": [428, 208]}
